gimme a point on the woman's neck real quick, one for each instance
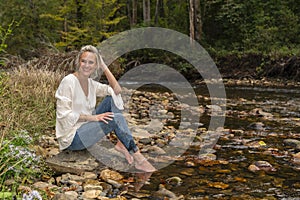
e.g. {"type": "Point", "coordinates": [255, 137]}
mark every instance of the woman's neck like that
{"type": "Point", "coordinates": [80, 76]}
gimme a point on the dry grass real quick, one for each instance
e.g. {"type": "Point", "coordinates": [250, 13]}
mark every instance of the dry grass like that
{"type": "Point", "coordinates": [27, 100]}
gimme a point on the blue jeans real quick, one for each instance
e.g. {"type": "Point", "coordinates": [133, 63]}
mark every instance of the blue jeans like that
{"type": "Point", "coordinates": [91, 132]}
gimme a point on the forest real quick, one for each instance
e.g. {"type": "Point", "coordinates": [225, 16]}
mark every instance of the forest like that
{"type": "Point", "coordinates": [252, 31]}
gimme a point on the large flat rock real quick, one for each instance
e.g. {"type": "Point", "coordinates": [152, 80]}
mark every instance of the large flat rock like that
{"type": "Point", "coordinates": [77, 162]}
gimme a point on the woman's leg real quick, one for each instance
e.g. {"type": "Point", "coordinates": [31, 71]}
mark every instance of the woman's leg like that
{"type": "Point", "coordinates": [118, 125]}
{"type": "Point", "coordinates": [91, 132]}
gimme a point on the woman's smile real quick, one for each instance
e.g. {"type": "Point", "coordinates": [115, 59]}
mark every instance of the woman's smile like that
{"type": "Point", "coordinates": [87, 63]}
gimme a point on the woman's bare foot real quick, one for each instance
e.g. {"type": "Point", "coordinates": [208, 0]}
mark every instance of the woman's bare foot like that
{"type": "Point", "coordinates": [121, 148]}
{"type": "Point", "coordinates": [141, 179]}
{"type": "Point", "coordinates": [142, 163]}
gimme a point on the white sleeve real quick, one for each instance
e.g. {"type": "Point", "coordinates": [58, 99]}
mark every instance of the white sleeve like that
{"type": "Point", "coordinates": [64, 113]}
{"type": "Point", "coordinates": [103, 90]}
{"type": "Point", "coordinates": [117, 99]}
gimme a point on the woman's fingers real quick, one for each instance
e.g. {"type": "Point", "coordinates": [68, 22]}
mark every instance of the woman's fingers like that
{"type": "Point", "coordinates": [106, 116]}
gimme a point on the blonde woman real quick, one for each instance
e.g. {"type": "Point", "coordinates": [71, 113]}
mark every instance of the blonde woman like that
{"type": "Point", "coordinates": [79, 123]}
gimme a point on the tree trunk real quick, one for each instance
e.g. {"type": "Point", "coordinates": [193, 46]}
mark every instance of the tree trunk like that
{"type": "Point", "coordinates": [198, 21]}
{"type": "Point", "coordinates": [192, 19]}
{"type": "Point", "coordinates": [146, 11]}
{"type": "Point", "coordinates": [195, 20]}
{"type": "Point", "coordinates": [134, 12]}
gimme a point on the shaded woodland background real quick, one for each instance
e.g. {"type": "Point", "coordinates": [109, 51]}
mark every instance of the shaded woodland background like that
{"type": "Point", "coordinates": [245, 38]}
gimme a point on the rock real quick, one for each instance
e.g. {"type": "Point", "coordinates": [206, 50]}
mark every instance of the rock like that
{"type": "Point", "coordinates": [218, 185]}
{"type": "Point", "coordinates": [71, 177]}
{"type": "Point", "coordinates": [89, 175]}
{"type": "Point", "coordinates": [260, 113]}
{"type": "Point", "coordinates": [145, 141]}
{"type": "Point", "coordinates": [174, 181]}
{"type": "Point", "coordinates": [253, 168]}
{"type": "Point", "coordinates": [110, 174]}
{"type": "Point", "coordinates": [87, 187]}
{"type": "Point", "coordinates": [163, 193]}
{"type": "Point", "coordinates": [261, 165]}
{"type": "Point", "coordinates": [296, 159]}
{"type": "Point", "coordinates": [68, 195]}
{"type": "Point", "coordinates": [154, 150]}
{"type": "Point", "coordinates": [65, 196]}
{"type": "Point", "coordinates": [293, 143]}
{"type": "Point", "coordinates": [43, 185]}
{"type": "Point", "coordinates": [91, 194]}
{"type": "Point", "coordinates": [75, 162]}
{"type": "Point", "coordinates": [257, 126]}
{"type": "Point", "coordinates": [140, 133]}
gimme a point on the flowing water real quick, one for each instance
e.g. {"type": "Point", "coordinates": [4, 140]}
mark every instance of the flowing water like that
{"type": "Point", "coordinates": [280, 120]}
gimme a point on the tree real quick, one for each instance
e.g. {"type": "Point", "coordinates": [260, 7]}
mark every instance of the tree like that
{"type": "Point", "coordinates": [195, 20]}
{"type": "Point", "coordinates": [146, 12]}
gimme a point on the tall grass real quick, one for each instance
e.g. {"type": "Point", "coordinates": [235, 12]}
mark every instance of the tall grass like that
{"type": "Point", "coordinates": [27, 100]}
{"type": "Point", "coordinates": [27, 111]}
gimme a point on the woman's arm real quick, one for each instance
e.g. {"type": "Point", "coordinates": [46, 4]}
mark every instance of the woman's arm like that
{"type": "Point", "coordinates": [104, 117]}
{"type": "Point", "coordinates": [110, 77]}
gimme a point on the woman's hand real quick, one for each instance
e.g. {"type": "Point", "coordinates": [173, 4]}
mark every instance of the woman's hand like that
{"type": "Point", "coordinates": [104, 117]}
{"type": "Point", "coordinates": [102, 64]}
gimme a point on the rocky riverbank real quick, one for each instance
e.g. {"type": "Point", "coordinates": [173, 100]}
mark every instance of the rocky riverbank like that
{"type": "Point", "coordinates": [154, 118]}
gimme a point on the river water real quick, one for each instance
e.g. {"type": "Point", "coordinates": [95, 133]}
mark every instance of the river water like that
{"type": "Point", "coordinates": [258, 122]}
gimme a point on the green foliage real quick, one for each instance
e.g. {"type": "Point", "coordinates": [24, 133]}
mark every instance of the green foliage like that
{"type": "Point", "coordinates": [266, 27]}
{"type": "Point", "coordinates": [4, 35]}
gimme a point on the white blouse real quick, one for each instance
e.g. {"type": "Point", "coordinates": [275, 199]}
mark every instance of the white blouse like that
{"type": "Point", "coordinates": [72, 102]}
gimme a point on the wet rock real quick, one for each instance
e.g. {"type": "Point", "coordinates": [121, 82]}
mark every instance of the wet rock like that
{"type": "Point", "coordinates": [293, 143]}
{"type": "Point", "coordinates": [188, 172]}
{"type": "Point", "coordinates": [257, 126]}
{"type": "Point", "coordinates": [261, 166]}
{"type": "Point", "coordinates": [174, 181]}
{"type": "Point", "coordinates": [260, 113]}
{"type": "Point", "coordinates": [296, 159]}
{"type": "Point", "coordinates": [164, 193]}
{"type": "Point", "coordinates": [256, 144]}
{"type": "Point", "coordinates": [219, 185]}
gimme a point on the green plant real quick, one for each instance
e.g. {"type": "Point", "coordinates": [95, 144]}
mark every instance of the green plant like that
{"type": "Point", "coordinates": [28, 111]}
{"type": "Point", "coordinates": [17, 161]}
{"type": "Point", "coordinates": [4, 35]}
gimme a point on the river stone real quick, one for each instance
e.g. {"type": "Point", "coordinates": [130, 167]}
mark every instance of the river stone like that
{"type": "Point", "coordinates": [75, 162]}
{"type": "Point", "coordinates": [70, 195]}
{"type": "Point", "coordinates": [110, 174]}
{"type": "Point", "coordinates": [293, 143]}
{"type": "Point", "coordinates": [257, 126]}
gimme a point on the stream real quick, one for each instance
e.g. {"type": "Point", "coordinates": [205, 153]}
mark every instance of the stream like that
{"type": "Point", "coordinates": [258, 126]}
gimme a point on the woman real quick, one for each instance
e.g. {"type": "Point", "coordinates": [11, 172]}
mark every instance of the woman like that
{"type": "Point", "coordinates": [78, 124]}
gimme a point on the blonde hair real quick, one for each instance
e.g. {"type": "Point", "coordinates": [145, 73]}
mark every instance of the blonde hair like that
{"type": "Point", "coordinates": [92, 49]}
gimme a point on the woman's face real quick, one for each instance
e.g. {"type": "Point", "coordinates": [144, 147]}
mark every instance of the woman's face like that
{"type": "Point", "coordinates": [87, 63]}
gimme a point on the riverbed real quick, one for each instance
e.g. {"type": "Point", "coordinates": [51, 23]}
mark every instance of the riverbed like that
{"type": "Point", "coordinates": [261, 124]}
